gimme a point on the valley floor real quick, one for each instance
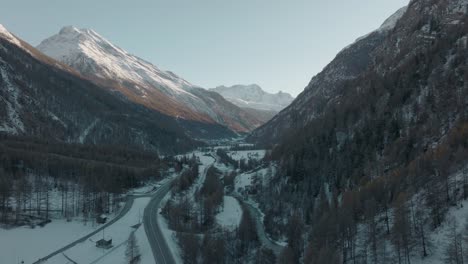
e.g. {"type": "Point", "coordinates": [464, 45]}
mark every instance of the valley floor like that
{"type": "Point", "coordinates": [29, 245]}
{"type": "Point", "coordinates": [119, 232]}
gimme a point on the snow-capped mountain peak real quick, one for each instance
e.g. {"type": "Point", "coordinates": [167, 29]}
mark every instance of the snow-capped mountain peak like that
{"type": "Point", "coordinates": [90, 53]}
{"type": "Point", "coordinates": [98, 59]}
{"type": "Point", "coordinates": [8, 36]}
{"type": "Point", "coordinates": [252, 96]}
{"type": "Point", "coordinates": [69, 30]}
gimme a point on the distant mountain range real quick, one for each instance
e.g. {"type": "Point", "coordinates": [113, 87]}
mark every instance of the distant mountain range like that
{"type": "Point", "coordinates": [142, 82]}
{"type": "Point", "coordinates": [78, 87]}
{"type": "Point", "coordinates": [252, 96]}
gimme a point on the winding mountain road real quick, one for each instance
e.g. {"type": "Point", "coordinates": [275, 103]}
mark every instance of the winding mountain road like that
{"type": "Point", "coordinates": [262, 235]}
{"type": "Point", "coordinates": [161, 251]}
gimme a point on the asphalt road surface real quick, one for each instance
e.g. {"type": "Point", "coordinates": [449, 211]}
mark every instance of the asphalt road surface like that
{"type": "Point", "coordinates": [161, 252]}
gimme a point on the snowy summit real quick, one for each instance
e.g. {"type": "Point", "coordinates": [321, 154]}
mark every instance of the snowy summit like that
{"type": "Point", "coordinates": [4, 33]}
{"type": "Point", "coordinates": [252, 96]}
{"type": "Point", "coordinates": [88, 52]}
{"type": "Point", "coordinates": [98, 59]}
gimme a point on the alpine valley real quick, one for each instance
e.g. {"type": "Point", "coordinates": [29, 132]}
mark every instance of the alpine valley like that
{"type": "Point", "coordinates": [106, 158]}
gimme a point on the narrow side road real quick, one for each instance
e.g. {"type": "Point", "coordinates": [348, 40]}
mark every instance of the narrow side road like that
{"type": "Point", "coordinates": [262, 235]}
{"type": "Point", "coordinates": [161, 251]}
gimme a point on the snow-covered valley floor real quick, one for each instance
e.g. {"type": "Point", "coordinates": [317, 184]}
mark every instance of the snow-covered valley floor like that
{"type": "Point", "coordinates": [119, 232]}
{"type": "Point", "coordinates": [28, 245]}
{"type": "Point", "coordinates": [231, 214]}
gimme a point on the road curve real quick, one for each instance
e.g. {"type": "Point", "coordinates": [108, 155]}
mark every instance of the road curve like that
{"type": "Point", "coordinates": [261, 233]}
{"type": "Point", "coordinates": [161, 251]}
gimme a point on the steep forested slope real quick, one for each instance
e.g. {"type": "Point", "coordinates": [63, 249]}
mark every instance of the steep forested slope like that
{"type": "Point", "coordinates": [385, 122]}
{"type": "Point", "coordinates": [324, 88]}
{"type": "Point", "coordinates": [43, 98]}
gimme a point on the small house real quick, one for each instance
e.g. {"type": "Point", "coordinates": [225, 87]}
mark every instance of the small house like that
{"type": "Point", "coordinates": [104, 243]}
{"type": "Point", "coordinates": [102, 219]}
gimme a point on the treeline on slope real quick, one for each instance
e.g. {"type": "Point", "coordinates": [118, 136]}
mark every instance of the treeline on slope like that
{"type": "Point", "coordinates": [242, 164]}
{"type": "Point", "coordinates": [392, 137]}
{"type": "Point", "coordinates": [192, 211]}
{"type": "Point", "coordinates": [89, 179]}
{"type": "Point", "coordinates": [225, 246]}
{"type": "Point", "coordinates": [192, 214]}
{"type": "Point", "coordinates": [187, 175]}
{"type": "Point", "coordinates": [195, 214]}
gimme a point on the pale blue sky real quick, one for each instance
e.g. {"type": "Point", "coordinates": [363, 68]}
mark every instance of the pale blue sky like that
{"type": "Point", "coordinates": [277, 44]}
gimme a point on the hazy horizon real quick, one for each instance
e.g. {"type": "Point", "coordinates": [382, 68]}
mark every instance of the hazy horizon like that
{"type": "Point", "coordinates": [279, 46]}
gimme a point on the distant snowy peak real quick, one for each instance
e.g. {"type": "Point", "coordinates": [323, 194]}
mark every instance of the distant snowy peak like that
{"type": "Point", "coordinates": [252, 96]}
{"type": "Point", "coordinates": [91, 54]}
{"type": "Point", "coordinates": [4, 33]}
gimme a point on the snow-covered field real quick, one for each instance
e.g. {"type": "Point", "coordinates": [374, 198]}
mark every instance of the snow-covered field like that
{"type": "Point", "coordinates": [28, 245]}
{"type": "Point", "coordinates": [246, 154]}
{"type": "Point", "coordinates": [246, 179]}
{"type": "Point", "coordinates": [143, 245]}
{"type": "Point", "coordinates": [231, 214]}
{"type": "Point", "coordinates": [118, 255]}
{"type": "Point", "coordinates": [87, 252]}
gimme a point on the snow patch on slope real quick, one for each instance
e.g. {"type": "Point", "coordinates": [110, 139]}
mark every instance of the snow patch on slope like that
{"type": "Point", "coordinates": [387, 26]}
{"type": "Point", "coordinates": [391, 22]}
{"type": "Point", "coordinates": [85, 133]}
{"type": "Point", "coordinates": [14, 123]}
